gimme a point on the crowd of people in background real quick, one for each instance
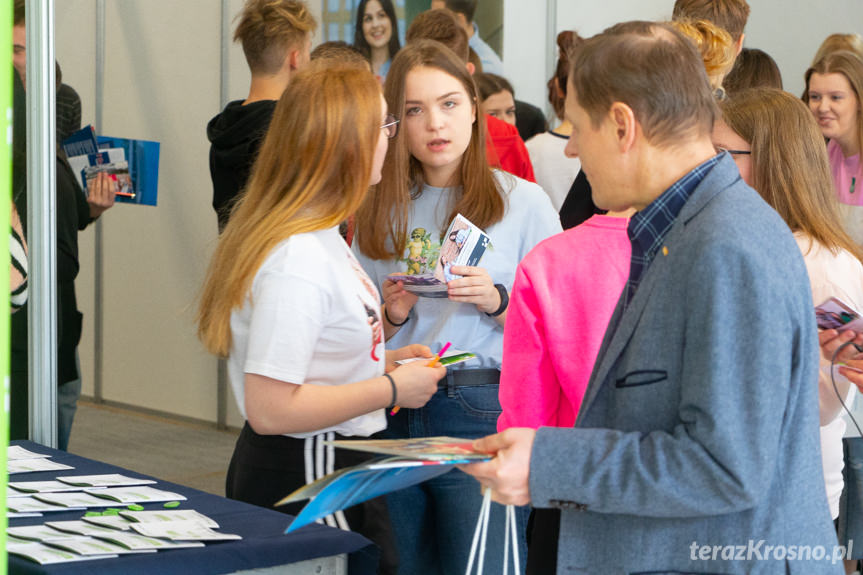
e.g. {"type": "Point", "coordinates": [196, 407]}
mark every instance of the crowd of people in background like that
{"type": "Point", "coordinates": [649, 373]}
{"type": "Point", "coordinates": [655, 372]}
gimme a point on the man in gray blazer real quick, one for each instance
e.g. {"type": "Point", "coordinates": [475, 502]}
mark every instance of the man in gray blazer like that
{"type": "Point", "coordinates": [696, 448]}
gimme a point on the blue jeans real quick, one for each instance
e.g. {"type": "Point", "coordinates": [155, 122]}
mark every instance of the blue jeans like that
{"type": "Point", "coordinates": [434, 521]}
{"type": "Point", "coordinates": [67, 404]}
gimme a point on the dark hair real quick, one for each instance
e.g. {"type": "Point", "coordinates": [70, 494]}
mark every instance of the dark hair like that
{"type": "Point", "coordinates": [18, 13]}
{"type": "Point", "coordinates": [653, 69]}
{"type": "Point", "coordinates": [567, 42]}
{"type": "Point", "coordinates": [490, 84]}
{"type": "Point", "coordinates": [360, 38]}
{"type": "Point", "coordinates": [339, 51]}
{"type": "Point", "coordinates": [731, 15]}
{"type": "Point", "coordinates": [269, 29]}
{"type": "Point", "coordinates": [440, 25]}
{"type": "Point", "coordinates": [753, 68]}
{"type": "Point", "coordinates": [466, 7]}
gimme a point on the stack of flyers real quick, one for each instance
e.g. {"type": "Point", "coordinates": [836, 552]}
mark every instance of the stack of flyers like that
{"type": "Point", "coordinates": [463, 245]}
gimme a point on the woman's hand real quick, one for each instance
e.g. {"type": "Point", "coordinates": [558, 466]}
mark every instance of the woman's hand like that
{"type": "Point", "coordinates": [406, 352]}
{"type": "Point", "coordinates": [416, 383]}
{"type": "Point", "coordinates": [399, 301]}
{"type": "Point", "coordinates": [830, 340]}
{"type": "Point", "coordinates": [101, 193]}
{"type": "Point", "coordinates": [475, 287]}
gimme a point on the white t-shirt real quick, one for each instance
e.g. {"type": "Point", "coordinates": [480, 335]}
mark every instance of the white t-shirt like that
{"type": "Point", "coordinates": [528, 219]}
{"type": "Point", "coordinates": [553, 170]}
{"type": "Point", "coordinates": [837, 275]}
{"type": "Point", "coordinates": [313, 318]}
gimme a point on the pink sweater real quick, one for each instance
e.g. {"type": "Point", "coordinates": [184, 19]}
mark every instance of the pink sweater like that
{"type": "Point", "coordinates": [564, 294]}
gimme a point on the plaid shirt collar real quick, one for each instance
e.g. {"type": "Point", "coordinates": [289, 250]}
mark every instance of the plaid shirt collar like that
{"type": "Point", "coordinates": [648, 228]}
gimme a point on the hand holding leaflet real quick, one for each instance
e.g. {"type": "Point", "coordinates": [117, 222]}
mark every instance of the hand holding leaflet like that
{"type": "Point", "coordinates": [432, 363]}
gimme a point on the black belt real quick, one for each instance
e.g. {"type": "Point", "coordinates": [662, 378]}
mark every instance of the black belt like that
{"type": "Point", "coordinates": [469, 377]}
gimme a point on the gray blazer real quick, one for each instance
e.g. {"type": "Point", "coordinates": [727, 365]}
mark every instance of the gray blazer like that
{"type": "Point", "coordinates": [699, 427]}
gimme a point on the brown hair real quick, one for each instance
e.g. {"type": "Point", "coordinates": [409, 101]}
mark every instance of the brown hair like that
{"type": "Point", "coordinates": [19, 13]}
{"type": "Point", "coordinates": [339, 51]}
{"type": "Point", "coordinates": [849, 65]}
{"type": "Point", "coordinates": [330, 115]}
{"type": "Point", "coordinates": [730, 15]}
{"type": "Point", "coordinates": [713, 43]}
{"type": "Point", "coordinates": [790, 168]}
{"type": "Point", "coordinates": [489, 84]}
{"type": "Point", "coordinates": [839, 42]}
{"type": "Point", "coordinates": [653, 69]}
{"type": "Point", "coordinates": [753, 68]}
{"type": "Point", "coordinates": [382, 219]}
{"type": "Point", "coordinates": [269, 29]}
{"type": "Point", "coordinates": [360, 38]}
{"type": "Point", "coordinates": [439, 25]}
{"type": "Point", "coordinates": [567, 42]}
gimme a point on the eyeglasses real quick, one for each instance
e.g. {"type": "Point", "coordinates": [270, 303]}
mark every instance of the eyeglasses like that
{"type": "Point", "coordinates": [391, 126]}
{"type": "Point", "coordinates": [735, 152]}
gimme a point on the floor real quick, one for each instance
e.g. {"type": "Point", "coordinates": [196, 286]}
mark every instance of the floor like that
{"type": "Point", "coordinates": [191, 454]}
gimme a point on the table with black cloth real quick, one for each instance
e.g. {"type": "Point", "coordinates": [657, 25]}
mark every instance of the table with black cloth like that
{"type": "Point", "coordinates": [264, 544]}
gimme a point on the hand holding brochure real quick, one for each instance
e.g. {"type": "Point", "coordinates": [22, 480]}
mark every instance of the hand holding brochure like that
{"type": "Point", "coordinates": [463, 245]}
{"type": "Point", "coordinates": [415, 461]}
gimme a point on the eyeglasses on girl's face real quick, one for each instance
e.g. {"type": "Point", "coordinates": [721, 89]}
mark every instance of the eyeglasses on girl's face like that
{"type": "Point", "coordinates": [390, 126]}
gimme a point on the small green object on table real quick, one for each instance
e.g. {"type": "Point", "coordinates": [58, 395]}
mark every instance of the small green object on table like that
{"type": "Point", "coordinates": [135, 507]}
{"type": "Point", "coordinates": [171, 504]}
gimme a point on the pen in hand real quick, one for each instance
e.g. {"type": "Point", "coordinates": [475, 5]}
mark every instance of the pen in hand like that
{"type": "Point", "coordinates": [432, 363]}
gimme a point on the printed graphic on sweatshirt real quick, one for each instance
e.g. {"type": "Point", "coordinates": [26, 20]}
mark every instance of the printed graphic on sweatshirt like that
{"type": "Point", "coordinates": [421, 252]}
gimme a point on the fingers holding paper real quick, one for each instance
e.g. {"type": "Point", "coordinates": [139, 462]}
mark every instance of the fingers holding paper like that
{"type": "Point", "coordinates": [407, 352]}
{"type": "Point", "coordinates": [508, 473]}
{"type": "Point", "coordinates": [102, 191]}
{"type": "Point", "coordinates": [475, 287]}
{"type": "Point", "coordinates": [397, 300]}
{"type": "Point", "coordinates": [830, 340]}
{"type": "Point", "coordinates": [849, 358]}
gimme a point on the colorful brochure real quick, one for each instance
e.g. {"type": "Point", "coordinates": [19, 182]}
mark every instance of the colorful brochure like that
{"type": "Point", "coordinates": [463, 245]}
{"type": "Point", "coordinates": [836, 314]}
{"type": "Point", "coordinates": [451, 357]}
{"type": "Point", "coordinates": [415, 461]}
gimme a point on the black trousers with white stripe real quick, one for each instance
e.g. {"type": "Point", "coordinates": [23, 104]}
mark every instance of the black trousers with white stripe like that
{"type": "Point", "coordinates": [265, 468]}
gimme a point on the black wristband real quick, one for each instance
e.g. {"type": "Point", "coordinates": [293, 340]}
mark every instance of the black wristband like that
{"type": "Point", "coordinates": [391, 322]}
{"type": "Point", "coordinates": [504, 301]}
{"type": "Point", "coordinates": [395, 391]}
